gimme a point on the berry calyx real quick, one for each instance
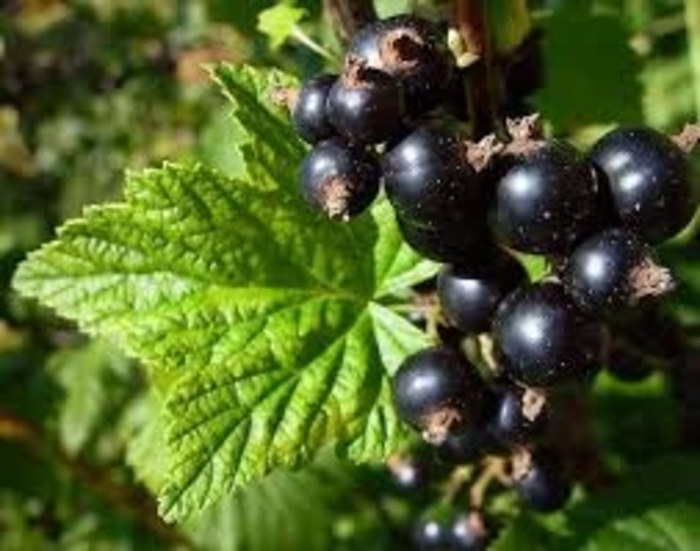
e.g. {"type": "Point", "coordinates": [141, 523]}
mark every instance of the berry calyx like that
{"type": "Point", "coordinates": [338, 179]}
{"type": "Point", "coordinates": [438, 392]}
{"type": "Point", "coordinates": [541, 337]}
{"type": "Point", "coordinates": [521, 416]}
{"type": "Point", "coordinates": [547, 201]}
{"type": "Point", "coordinates": [308, 112]}
{"type": "Point", "coordinates": [650, 181]}
{"type": "Point", "coordinates": [613, 269]}
{"type": "Point", "coordinates": [365, 105]}
{"type": "Point", "coordinates": [470, 293]}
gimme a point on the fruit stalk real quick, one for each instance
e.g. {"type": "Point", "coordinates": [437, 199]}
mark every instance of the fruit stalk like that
{"type": "Point", "coordinates": [470, 19]}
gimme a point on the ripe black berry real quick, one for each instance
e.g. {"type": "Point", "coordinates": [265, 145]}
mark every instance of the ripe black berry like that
{"type": "Point", "coordinates": [365, 105]}
{"type": "Point", "coordinates": [540, 483]}
{"type": "Point", "coordinates": [628, 365]}
{"type": "Point", "coordinates": [445, 240]}
{"type": "Point", "coordinates": [339, 179]}
{"type": "Point", "coordinates": [547, 201]}
{"type": "Point", "coordinates": [429, 181]}
{"type": "Point", "coordinates": [612, 269]}
{"type": "Point", "coordinates": [470, 293]}
{"type": "Point", "coordinates": [438, 392]}
{"type": "Point", "coordinates": [521, 416]}
{"type": "Point", "coordinates": [429, 535]}
{"type": "Point", "coordinates": [469, 532]}
{"type": "Point", "coordinates": [542, 337]}
{"type": "Point", "coordinates": [309, 111]}
{"type": "Point", "coordinates": [410, 471]}
{"type": "Point", "coordinates": [413, 50]}
{"type": "Point", "coordinates": [650, 181]}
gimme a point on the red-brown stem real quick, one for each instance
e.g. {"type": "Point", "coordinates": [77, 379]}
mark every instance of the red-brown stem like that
{"type": "Point", "coordinates": [470, 19]}
{"type": "Point", "coordinates": [349, 16]}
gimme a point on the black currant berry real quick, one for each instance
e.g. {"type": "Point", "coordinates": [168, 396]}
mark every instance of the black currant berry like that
{"type": "Point", "coordinates": [547, 201]}
{"type": "Point", "coordinates": [429, 535]}
{"type": "Point", "coordinates": [628, 365]}
{"type": "Point", "coordinates": [541, 337]}
{"type": "Point", "coordinates": [309, 115]}
{"type": "Point", "coordinates": [521, 417]}
{"type": "Point", "coordinates": [470, 293]}
{"type": "Point", "coordinates": [469, 532]}
{"type": "Point", "coordinates": [650, 181]}
{"type": "Point", "coordinates": [613, 269]}
{"type": "Point", "coordinates": [438, 392]}
{"type": "Point", "coordinates": [445, 240]}
{"type": "Point", "coordinates": [339, 179]}
{"type": "Point", "coordinates": [410, 471]}
{"type": "Point", "coordinates": [365, 105]}
{"type": "Point", "coordinates": [429, 179]}
{"type": "Point", "coordinates": [540, 482]}
{"type": "Point", "coordinates": [413, 50]}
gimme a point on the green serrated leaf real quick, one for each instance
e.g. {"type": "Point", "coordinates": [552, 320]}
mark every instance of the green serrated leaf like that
{"type": "Point", "coordinates": [259, 318]}
{"type": "Point", "coordinates": [278, 23]}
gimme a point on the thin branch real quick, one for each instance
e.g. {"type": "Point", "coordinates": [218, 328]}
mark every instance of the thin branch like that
{"type": "Point", "coordinates": [349, 16]}
{"type": "Point", "coordinates": [470, 19]}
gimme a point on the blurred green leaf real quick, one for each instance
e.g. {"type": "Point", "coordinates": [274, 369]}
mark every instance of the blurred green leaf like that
{"type": "Point", "coordinates": [656, 507]}
{"type": "Point", "coordinates": [278, 23]}
{"type": "Point", "coordinates": [673, 527]}
{"type": "Point", "coordinates": [592, 75]}
{"type": "Point", "coordinates": [633, 421]}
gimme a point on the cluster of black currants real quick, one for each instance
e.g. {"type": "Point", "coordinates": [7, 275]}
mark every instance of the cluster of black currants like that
{"type": "Point", "coordinates": [474, 206]}
{"type": "Point", "coordinates": [397, 71]}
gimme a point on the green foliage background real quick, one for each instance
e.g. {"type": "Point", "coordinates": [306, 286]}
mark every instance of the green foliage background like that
{"type": "Point", "coordinates": [264, 336]}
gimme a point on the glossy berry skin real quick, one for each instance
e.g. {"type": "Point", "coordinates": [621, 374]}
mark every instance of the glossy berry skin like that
{"type": "Point", "coordinates": [543, 487]}
{"type": "Point", "coordinates": [309, 115]}
{"type": "Point", "coordinates": [411, 472]}
{"type": "Point", "coordinates": [338, 179]}
{"type": "Point", "coordinates": [541, 337]}
{"type": "Point", "coordinates": [446, 240]}
{"type": "Point", "coordinates": [650, 181]}
{"type": "Point", "coordinates": [414, 51]}
{"type": "Point", "coordinates": [600, 273]}
{"type": "Point", "coordinates": [512, 426]}
{"type": "Point", "coordinates": [469, 293]}
{"type": "Point", "coordinates": [438, 392]}
{"type": "Point", "coordinates": [429, 535]}
{"type": "Point", "coordinates": [547, 201]}
{"type": "Point", "coordinates": [365, 106]}
{"type": "Point", "coordinates": [429, 181]}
